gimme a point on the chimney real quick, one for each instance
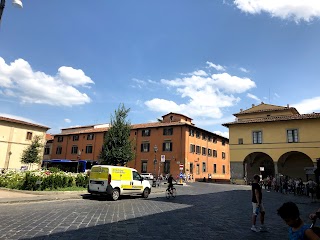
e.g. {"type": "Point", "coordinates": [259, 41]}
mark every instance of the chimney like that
{"type": "Point", "coordinates": [287, 105]}
{"type": "Point", "coordinates": [252, 105]}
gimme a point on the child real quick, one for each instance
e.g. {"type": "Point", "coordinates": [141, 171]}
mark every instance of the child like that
{"type": "Point", "coordinates": [289, 212]}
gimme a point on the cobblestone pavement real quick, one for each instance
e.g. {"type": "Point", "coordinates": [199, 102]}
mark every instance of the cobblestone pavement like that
{"type": "Point", "coordinates": [200, 211]}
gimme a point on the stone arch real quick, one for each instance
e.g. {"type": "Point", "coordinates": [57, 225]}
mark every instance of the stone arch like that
{"type": "Point", "coordinates": [253, 162]}
{"type": "Point", "coordinates": [292, 164]}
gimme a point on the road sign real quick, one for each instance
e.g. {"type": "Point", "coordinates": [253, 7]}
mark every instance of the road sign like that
{"type": "Point", "coordinates": [181, 175]}
{"type": "Point", "coordinates": [181, 166]}
{"type": "Point", "coordinates": [163, 158]}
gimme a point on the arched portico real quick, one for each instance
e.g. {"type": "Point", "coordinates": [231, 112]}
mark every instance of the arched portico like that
{"type": "Point", "coordinates": [254, 161]}
{"type": "Point", "coordinates": [292, 164]}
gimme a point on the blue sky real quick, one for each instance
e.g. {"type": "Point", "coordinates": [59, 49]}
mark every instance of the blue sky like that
{"type": "Point", "coordinates": [68, 63]}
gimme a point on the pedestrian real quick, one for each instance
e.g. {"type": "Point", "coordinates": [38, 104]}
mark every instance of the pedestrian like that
{"type": "Point", "coordinates": [289, 212]}
{"type": "Point", "coordinates": [257, 205]}
{"type": "Point", "coordinates": [311, 188]}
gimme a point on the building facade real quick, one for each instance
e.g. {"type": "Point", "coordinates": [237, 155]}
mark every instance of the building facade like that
{"type": "Point", "coordinates": [273, 140]}
{"type": "Point", "coordinates": [160, 148]}
{"type": "Point", "coordinates": [16, 136]}
{"type": "Point", "coordinates": [48, 147]}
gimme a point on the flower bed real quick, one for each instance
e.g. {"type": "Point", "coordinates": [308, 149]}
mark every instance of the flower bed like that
{"type": "Point", "coordinates": [42, 180]}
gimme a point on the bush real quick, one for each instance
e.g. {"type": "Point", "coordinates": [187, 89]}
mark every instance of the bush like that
{"type": "Point", "coordinates": [42, 180]}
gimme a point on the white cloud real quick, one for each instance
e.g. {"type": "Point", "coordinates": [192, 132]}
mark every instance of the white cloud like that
{"type": "Point", "coordinates": [244, 70]}
{"type": "Point", "coordinates": [67, 120]}
{"type": "Point", "coordinates": [224, 134]}
{"type": "Point", "coordinates": [19, 80]}
{"type": "Point", "coordinates": [249, 95]}
{"type": "Point", "coordinates": [296, 10]}
{"type": "Point", "coordinates": [308, 105]}
{"type": "Point", "coordinates": [217, 67]}
{"type": "Point", "coordinates": [199, 73]}
{"type": "Point", "coordinates": [203, 97]}
{"type": "Point", "coordinates": [277, 95]}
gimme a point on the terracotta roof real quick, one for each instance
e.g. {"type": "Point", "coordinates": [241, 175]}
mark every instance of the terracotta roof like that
{"type": "Point", "coordinates": [275, 119]}
{"type": "Point", "coordinates": [86, 126]}
{"type": "Point", "coordinates": [158, 124]}
{"type": "Point", "coordinates": [177, 114]}
{"type": "Point", "coordinates": [22, 122]}
{"type": "Point", "coordinates": [266, 110]}
{"type": "Point", "coordinates": [91, 130]}
{"type": "Point", "coordinates": [49, 137]}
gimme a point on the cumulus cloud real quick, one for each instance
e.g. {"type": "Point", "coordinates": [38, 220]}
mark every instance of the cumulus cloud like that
{"type": "Point", "coordinates": [249, 95]}
{"type": "Point", "coordinates": [308, 105]}
{"type": "Point", "coordinates": [296, 10]}
{"type": "Point", "coordinates": [67, 120]}
{"type": "Point", "coordinates": [19, 80]}
{"type": "Point", "coordinates": [204, 96]}
{"type": "Point", "coordinates": [216, 67]}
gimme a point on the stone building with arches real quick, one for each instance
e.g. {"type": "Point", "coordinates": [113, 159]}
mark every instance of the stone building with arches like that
{"type": "Point", "coordinates": [273, 140]}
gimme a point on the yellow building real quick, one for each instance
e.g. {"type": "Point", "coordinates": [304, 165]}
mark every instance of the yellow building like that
{"type": "Point", "coordinates": [273, 140]}
{"type": "Point", "coordinates": [16, 136]}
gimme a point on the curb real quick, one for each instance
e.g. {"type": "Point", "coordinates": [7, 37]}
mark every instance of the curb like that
{"type": "Point", "coordinates": [45, 193]}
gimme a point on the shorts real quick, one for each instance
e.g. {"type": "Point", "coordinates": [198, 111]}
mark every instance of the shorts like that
{"type": "Point", "coordinates": [255, 205]}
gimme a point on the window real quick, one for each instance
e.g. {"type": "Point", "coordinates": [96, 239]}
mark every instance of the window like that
{"type": "Point", "coordinates": [223, 155]}
{"type": "Point", "coordinates": [168, 131]}
{"type": "Point", "coordinates": [240, 140]}
{"type": "Point", "coordinates": [214, 168]}
{"type": "Point", "coordinates": [223, 169]}
{"type": "Point", "coordinates": [209, 152]}
{"type": "Point", "coordinates": [75, 137]}
{"type": "Point", "coordinates": [215, 153]}
{"type": "Point", "coordinates": [209, 138]}
{"type": "Point", "coordinates": [59, 150]}
{"type": "Point", "coordinates": [192, 148]}
{"type": "Point", "coordinates": [167, 146]}
{"type": "Point", "coordinates": [166, 167]}
{"type": "Point", "coordinates": [89, 149]}
{"type": "Point", "coordinates": [198, 169]}
{"type": "Point", "coordinates": [292, 135]}
{"type": "Point", "coordinates": [60, 139]}
{"type": "Point", "coordinates": [74, 149]}
{"type": "Point", "coordinates": [197, 149]}
{"type": "Point", "coordinates": [257, 137]}
{"type": "Point", "coordinates": [146, 132]}
{"type": "Point", "coordinates": [136, 176]}
{"type": "Point", "coordinates": [204, 136]}
{"type": "Point", "coordinates": [204, 169]}
{"type": "Point", "coordinates": [90, 136]}
{"type": "Point", "coordinates": [46, 150]}
{"type": "Point", "coordinates": [145, 147]}
{"type": "Point", "coordinates": [197, 134]}
{"type": "Point", "coordinates": [204, 151]}
{"type": "Point", "coordinates": [191, 168]}
{"type": "Point", "coordinates": [144, 166]}
{"type": "Point", "coordinates": [223, 142]}
{"type": "Point", "coordinates": [214, 140]}
{"type": "Point", "coordinates": [29, 136]}
{"type": "Point", "coordinates": [191, 132]}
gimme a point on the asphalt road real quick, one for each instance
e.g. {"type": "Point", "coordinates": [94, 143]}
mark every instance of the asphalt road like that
{"type": "Point", "coordinates": [200, 211]}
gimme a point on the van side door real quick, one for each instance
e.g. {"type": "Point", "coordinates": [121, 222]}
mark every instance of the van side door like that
{"type": "Point", "coordinates": [137, 186]}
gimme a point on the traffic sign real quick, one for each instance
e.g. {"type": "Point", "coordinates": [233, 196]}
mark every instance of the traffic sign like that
{"type": "Point", "coordinates": [181, 175]}
{"type": "Point", "coordinates": [163, 158]}
{"type": "Point", "coordinates": [181, 166]}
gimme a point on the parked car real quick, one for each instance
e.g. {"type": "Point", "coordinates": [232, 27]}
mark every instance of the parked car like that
{"type": "Point", "coordinates": [147, 176]}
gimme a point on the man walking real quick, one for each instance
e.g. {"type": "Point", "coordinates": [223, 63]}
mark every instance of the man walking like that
{"type": "Point", "coordinates": [257, 205]}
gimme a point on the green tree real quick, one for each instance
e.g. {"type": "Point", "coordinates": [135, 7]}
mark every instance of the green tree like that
{"type": "Point", "coordinates": [117, 147]}
{"type": "Point", "coordinates": [32, 154]}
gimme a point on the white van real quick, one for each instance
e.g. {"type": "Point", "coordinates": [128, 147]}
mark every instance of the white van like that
{"type": "Point", "coordinates": [115, 181]}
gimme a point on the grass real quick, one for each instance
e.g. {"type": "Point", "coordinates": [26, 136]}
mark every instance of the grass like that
{"type": "Point", "coordinates": [68, 189]}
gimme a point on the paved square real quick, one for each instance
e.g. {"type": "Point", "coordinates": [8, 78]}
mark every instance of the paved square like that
{"type": "Point", "coordinates": [200, 211]}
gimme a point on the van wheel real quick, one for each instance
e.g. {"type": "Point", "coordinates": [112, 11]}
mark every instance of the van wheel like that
{"type": "Point", "coordinates": [145, 193]}
{"type": "Point", "coordinates": [115, 194]}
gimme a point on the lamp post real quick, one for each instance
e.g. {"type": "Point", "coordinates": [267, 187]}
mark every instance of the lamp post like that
{"type": "Point", "coordinates": [155, 149]}
{"type": "Point", "coordinates": [16, 3]}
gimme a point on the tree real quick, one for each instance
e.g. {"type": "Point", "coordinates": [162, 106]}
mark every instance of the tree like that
{"type": "Point", "coordinates": [117, 147]}
{"type": "Point", "coordinates": [32, 154]}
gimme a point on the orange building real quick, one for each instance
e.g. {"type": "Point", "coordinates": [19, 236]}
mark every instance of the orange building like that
{"type": "Point", "coordinates": [160, 148]}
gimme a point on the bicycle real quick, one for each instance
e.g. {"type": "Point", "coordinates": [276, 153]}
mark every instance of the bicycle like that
{"type": "Point", "coordinates": [171, 192]}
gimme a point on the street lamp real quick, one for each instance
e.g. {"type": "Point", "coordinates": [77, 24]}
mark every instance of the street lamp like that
{"type": "Point", "coordinates": [155, 149]}
{"type": "Point", "coordinates": [16, 3]}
